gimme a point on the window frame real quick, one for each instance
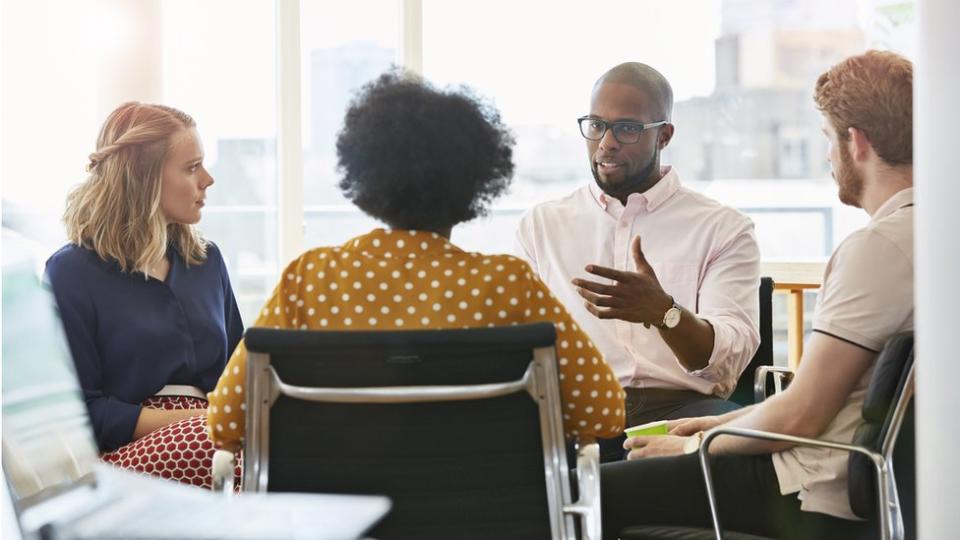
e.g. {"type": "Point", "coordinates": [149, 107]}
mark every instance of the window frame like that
{"type": "Point", "coordinates": [291, 211]}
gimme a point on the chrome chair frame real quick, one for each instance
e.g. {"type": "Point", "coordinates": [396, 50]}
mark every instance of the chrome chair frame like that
{"type": "Point", "coordinates": [540, 382]}
{"type": "Point", "coordinates": [781, 375]}
{"type": "Point", "coordinates": [891, 516]}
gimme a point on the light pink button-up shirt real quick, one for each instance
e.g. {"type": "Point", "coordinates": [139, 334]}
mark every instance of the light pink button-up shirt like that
{"type": "Point", "coordinates": [705, 255]}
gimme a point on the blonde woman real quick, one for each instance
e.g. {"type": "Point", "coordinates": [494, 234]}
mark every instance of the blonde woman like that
{"type": "Point", "coordinates": [146, 302]}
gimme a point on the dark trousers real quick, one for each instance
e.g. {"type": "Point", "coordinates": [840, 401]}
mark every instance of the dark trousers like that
{"type": "Point", "coordinates": [650, 404]}
{"type": "Point", "coordinates": [670, 491]}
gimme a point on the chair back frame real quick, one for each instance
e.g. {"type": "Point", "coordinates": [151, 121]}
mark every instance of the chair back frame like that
{"type": "Point", "coordinates": [763, 357]}
{"type": "Point", "coordinates": [888, 500]}
{"type": "Point", "coordinates": [540, 382]}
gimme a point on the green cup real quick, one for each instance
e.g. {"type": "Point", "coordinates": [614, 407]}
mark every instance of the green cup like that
{"type": "Point", "coordinates": [651, 428]}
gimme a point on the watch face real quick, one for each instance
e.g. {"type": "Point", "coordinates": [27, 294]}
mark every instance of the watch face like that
{"type": "Point", "coordinates": [672, 318]}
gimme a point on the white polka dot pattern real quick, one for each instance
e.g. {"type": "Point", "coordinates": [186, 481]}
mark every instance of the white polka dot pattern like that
{"type": "Point", "coordinates": [426, 282]}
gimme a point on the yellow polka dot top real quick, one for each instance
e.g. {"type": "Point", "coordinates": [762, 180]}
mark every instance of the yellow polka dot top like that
{"type": "Point", "coordinates": [409, 280]}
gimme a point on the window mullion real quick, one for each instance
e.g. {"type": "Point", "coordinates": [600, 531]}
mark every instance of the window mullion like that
{"type": "Point", "coordinates": [411, 36]}
{"type": "Point", "coordinates": [290, 210]}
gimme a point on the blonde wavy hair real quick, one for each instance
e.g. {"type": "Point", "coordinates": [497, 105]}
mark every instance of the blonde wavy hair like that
{"type": "Point", "coordinates": [116, 211]}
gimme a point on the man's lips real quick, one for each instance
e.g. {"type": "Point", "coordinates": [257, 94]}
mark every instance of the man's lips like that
{"type": "Point", "coordinates": [608, 165]}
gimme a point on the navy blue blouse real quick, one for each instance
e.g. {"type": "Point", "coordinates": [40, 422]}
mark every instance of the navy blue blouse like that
{"type": "Point", "coordinates": [131, 336]}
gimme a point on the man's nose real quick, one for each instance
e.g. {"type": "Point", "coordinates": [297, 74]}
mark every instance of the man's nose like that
{"type": "Point", "coordinates": [608, 141]}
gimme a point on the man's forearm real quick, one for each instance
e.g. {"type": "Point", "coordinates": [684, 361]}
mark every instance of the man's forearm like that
{"type": "Point", "coordinates": [772, 415]}
{"type": "Point", "coordinates": [691, 340]}
{"type": "Point", "coordinates": [733, 415]}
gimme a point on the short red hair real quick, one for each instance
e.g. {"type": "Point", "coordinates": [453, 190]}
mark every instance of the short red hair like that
{"type": "Point", "coordinates": [872, 92]}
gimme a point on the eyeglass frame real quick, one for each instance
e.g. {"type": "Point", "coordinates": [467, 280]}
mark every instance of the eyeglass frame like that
{"type": "Point", "coordinates": [608, 126]}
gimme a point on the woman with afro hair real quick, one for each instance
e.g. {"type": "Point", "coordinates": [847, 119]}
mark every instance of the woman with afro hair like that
{"type": "Point", "coordinates": [422, 160]}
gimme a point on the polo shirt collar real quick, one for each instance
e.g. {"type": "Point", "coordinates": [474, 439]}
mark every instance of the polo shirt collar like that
{"type": "Point", "coordinates": [902, 198]}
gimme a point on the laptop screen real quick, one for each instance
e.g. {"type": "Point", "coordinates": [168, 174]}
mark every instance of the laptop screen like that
{"type": "Point", "coordinates": [47, 439]}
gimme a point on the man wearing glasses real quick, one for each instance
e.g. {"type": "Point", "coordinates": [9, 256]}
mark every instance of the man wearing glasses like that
{"type": "Point", "coordinates": [663, 279]}
{"type": "Point", "coordinates": [778, 489]}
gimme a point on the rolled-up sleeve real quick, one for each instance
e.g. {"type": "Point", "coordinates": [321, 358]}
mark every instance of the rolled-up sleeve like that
{"type": "Point", "coordinates": [728, 299]}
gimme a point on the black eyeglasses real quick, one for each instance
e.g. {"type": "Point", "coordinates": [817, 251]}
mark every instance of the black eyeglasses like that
{"type": "Point", "coordinates": [624, 132]}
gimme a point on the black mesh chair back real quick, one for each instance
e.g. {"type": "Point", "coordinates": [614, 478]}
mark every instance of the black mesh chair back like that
{"type": "Point", "coordinates": [887, 436]}
{"type": "Point", "coordinates": [453, 468]}
{"type": "Point", "coordinates": [889, 390]}
{"type": "Point", "coordinates": [744, 392]}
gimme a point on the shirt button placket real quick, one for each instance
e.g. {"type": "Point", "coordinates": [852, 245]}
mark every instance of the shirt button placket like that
{"type": "Point", "coordinates": [621, 248]}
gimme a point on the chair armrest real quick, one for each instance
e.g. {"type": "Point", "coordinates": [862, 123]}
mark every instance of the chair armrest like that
{"type": "Point", "coordinates": [780, 375]}
{"type": "Point", "coordinates": [890, 517]}
{"type": "Point", "coordinates": [587, 506]}
{"type": "Point", "coordinates": [222, 472]}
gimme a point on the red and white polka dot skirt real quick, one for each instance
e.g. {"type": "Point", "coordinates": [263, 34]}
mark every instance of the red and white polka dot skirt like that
{"type": "Point", "coordinates": [181, 451]}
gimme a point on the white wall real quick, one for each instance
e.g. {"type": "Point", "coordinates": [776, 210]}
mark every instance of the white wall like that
{"type": "Point", "coordinates": [937, 115]}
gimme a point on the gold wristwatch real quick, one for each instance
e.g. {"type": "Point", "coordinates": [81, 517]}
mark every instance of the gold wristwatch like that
{"type": "Point", "coordinates": [672, 317]}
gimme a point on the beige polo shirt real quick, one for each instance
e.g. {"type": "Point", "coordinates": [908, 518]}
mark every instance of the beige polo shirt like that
{"type": "Point", "coordinates": [866, 298]}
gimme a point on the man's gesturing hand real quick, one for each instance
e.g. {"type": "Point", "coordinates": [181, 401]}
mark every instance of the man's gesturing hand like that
{"type": "Point", "coordinates": [635, 296]}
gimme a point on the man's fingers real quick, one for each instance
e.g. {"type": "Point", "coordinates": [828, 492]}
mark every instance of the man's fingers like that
{"type": "Point", "coordinates": [611, 273]}
{"type": "Point", "coordinates": [592, 309]}
{"type": "Point", "coordinates": [606, 312]}
{"type": "Point", "coordinates": [637, 447]}
{"type": "Point", "coordinates": [588, 295]}
{"type": "Point", "coordinates": [601, 301]}
{"type": "Point", "coordinates": [603, 312]}
{"type": "Point", "coordinates": [638, 257]}
{"type": "Point", "coordinates": [635, 442]}
{"type": "Point", "coordinates": [683, 428]}
{"type": "Point", "coordinates": [593, 286]}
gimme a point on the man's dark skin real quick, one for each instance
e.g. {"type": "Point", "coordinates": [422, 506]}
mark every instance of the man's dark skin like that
{"type": "Point", "coordinates": [634, 92]}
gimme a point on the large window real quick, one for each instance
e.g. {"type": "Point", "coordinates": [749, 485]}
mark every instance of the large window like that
{"type": "Point", "coordinates": [222, 71]}
{"type": "Point", "coordinates": [49, 115]}
{"type": "Point", "coordinates": [742, 73]}
{"type": "Point", "coordinates": [344, 45]}
{"type": "Point", "coordinates": [76, 61]}
{"type": "Point", "coordinates": [539, 65]}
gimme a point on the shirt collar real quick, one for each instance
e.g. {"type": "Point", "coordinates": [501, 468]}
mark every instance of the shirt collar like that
{"type": "Point", "coordinates": [664, 189]}
{"type": "Point", "coordinates": [405, 244]}
{"type": "Point", "coordinates": [668, 185]}
{"type": "Point", "coordinates": [902, 198]}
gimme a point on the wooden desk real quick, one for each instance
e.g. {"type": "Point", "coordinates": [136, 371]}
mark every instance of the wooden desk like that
{"type": "Point", "coordinates": [793, 279]}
